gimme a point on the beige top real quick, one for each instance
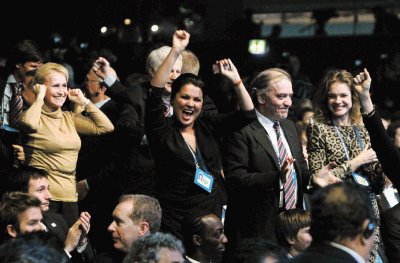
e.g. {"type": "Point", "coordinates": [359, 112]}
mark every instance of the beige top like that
{"type": "Point", "coordinates": [51, 142]}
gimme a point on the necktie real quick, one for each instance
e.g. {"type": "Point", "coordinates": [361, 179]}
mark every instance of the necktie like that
{"type": "Point", "coordinates": [289, 186]}
{"type": "Point", "coordinates": [167, 104]}
{"type": "Point", "coordinates": [15, 106]}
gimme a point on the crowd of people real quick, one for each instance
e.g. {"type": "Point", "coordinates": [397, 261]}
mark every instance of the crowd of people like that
{"type": "Point", "coordinates": [152, 170]}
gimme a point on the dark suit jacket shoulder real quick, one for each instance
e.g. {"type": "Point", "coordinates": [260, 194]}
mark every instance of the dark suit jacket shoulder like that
{"type": "Point", "coordinates": [390, 227]}
{"type": "Point", "coordinates": [56, 224]}
{"type": "Point", "coordinates": [323, 253]}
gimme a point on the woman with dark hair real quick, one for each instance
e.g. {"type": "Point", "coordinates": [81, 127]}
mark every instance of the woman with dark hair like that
{"type": "Point", "coordinates": [186, 147]}
{"type": "Point", "coordinates": [338, 135]}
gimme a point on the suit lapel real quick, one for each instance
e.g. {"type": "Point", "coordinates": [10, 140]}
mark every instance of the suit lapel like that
{"type": "Point", "coordinates": [262, 138]}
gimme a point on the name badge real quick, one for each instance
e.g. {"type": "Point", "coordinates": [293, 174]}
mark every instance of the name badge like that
{"type": "Point", "coordinates": [204, 180]}
{"type": "Point", "coordinates": [360, 179]}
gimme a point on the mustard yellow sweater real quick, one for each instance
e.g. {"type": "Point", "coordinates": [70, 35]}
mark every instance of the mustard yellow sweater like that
{"type": "Point", "coordinates": [51, 142]}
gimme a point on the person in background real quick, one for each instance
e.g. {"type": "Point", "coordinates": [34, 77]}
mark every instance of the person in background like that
{"type": "Point", "coordinates": [203, 237]}
{"type": "Point", "coordinates": [259, 250]}
{"type": "Point", "coordinates": [338, 135]}
{"type": "Point", "coordinates": [342, 225]}
{"type": "Point", "coordinates": [293, 231]}
{"type": "Point", "coordinates": [135, 217]}
{"type": "Point", "coordinates": [157, 248]}
{"type": "Point", "coordinates": [50, 135]}
{"type": "Point", "coordinates": [34, 182]}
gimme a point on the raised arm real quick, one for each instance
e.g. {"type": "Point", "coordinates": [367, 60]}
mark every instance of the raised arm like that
{"type": "Point", "coordinates": [180, 40]}
{"type": "Point", "coordinates": [228, 69]}
{"type": "Point", "coordinates": [96, 123]}
{"type": "Point", "coordinates": [31, 117]}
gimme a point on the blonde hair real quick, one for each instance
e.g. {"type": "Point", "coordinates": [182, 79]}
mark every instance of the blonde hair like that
{"type": "Point", "coordinates": [46, 69]}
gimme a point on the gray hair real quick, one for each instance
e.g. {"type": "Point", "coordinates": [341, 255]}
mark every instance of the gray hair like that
{"type": "Point", "coordinates": [156, 58]}
{"type": "Point", "coordinates": [262, 82]}
{"type": "Point", "coordinates": [147, 249]}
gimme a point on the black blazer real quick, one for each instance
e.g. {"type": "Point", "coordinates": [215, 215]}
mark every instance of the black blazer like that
{"type": "Point", "coordinates": [390, 228]}
{"type": "Point", "coordinates": [252, 175]}
{"type": "Point", "coordinates": [318, 253]}
{"type": "Point", "coordinates": [387, 153]}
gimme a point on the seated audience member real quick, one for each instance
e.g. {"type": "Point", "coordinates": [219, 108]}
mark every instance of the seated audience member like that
{"type": "Point", "coordinates": [135, 216]}
{"type": "Point", "coordinates": [33, 247]}
{"type": "Point", "coordinates": [393, 131]}
{"type": "Point", "coordinates": [389, 156]}
{"type": "Point", "coordinates": [203, 237]}
{"type": "Point", "coordinates": [190, 63]}
{"type": "Point", "coordinates": [342, 225]}
{"type": "Point", "coordinates": [34, 182]}
{"type": "Point", "coordinates": [293, 231]}
{"type": "Point", "coordinates": [19, 214]}
{"type": "Point", "coordinates": [157, 248]}
{"type": "Point", "coordinates": [259, 250]}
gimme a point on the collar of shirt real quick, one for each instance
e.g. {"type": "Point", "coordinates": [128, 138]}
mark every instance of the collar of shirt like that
{"type": "Point", "coordinates": [192, 260]}
{"type": "Point", "coordinates": [101, 103]}
{"type": "Point", "coordinates": [354, 254]}
{"type": "Point", "coordinates": [268, 126]}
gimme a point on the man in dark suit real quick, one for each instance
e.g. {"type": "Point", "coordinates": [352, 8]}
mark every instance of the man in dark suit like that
{"type": "Point", "coordinates": [342, 225]}
{"type": "Point", "coordinates": [34, 182]}
{"type": "Point", "coordinates": [389, 157]}
{"type": "Point", "coordinates": [255, 173]}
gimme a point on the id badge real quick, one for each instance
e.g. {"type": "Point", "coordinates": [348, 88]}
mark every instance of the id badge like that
{"type": "Point", "coordinates": [360, 179]}
{"type": "Point", "coordinates": [204, 180]}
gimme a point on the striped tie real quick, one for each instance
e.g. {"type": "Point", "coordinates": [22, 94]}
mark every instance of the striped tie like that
{"type": "Point", "coordinates": [167, 104]}
{"type": "Point", "coordinates": [15, 105]}
{"type": "Point", "coordinates": [289, 184]}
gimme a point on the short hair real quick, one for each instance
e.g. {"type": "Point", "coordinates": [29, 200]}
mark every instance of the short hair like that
{"type": "Point", "coordinates": [37, 246]}
{"type": "Point", "coordinates": [156, 58]}
{"type": "Point", "coordinates": [321, 96]}
{"type": "Point", "coordinates": [261, 83]}
{"type": "Point", "coordinates": [24, 51]}
{"type": "Point", "coordinates": [339, 210]}
{"type": "Point", "coordinates": [147, 249]}
{"type": "Point", "coordinates": [145, 208]}
{"type": "Point", "coordinates": [20, 178]}
{"type": "Point", "coordinates": [46, 69]}
{"type": "Point", "coordinates": [12, 205]}
{"type": "Point", "coordinates": [289, 223]}
{"type": "Point", "coordinates": [193, 224]}
{"type": "Point", "coordinates": [190, 62]}
{"type": "Point", "coordinates": [184, 79]}
{"type": "Point", "coordinates": [256, 249]}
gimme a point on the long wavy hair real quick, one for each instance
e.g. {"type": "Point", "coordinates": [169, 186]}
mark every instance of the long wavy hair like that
{"type": "Point", "coordinates": [321, 97]}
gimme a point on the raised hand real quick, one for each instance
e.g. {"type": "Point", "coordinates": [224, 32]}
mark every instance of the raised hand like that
{"type": "Point", "coordinates": [180, 40]}
{"type": "Point", "coordinates": [76, 96]}
{"type": "Point", "coordinates": [40, 91]}
{"type": "Point", "coordinates": [363, 82]}
{"type": "Point", "coordinates": [228, 69]}
{"type": "Point", "coordinates": [101, 67]}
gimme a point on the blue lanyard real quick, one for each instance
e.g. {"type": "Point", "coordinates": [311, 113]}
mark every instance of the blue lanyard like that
{"type": "Point", "coordinates": [346, 151]}
{"type": "Point", "coordinates": [194, 156]}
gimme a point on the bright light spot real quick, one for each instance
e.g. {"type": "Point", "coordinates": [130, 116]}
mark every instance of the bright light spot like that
{"type": "Point", "coordinates": [103, 30]}
{"type": "Point", "coordinates": [154, 28]}
{"type": "Point", "coordinates": [127, 21]}
{"type": "Point", "coordinates": [258, 47]}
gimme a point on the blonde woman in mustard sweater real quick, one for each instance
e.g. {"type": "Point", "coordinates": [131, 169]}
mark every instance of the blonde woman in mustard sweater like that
{"type": "Point", "coordinates": [50, 135]}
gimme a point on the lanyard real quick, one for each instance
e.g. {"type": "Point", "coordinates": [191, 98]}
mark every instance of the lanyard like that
{"type": "Point", "coordinates": [346, 151]}
{"type": "Point", "coordinates": [194, 156]}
